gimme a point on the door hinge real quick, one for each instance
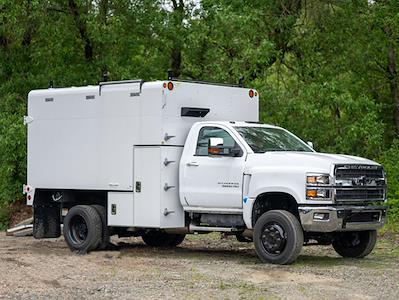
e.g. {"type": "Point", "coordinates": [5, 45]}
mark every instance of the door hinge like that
{"type": "Point", "coordinates": [168, 137]}
{"type": "Point", "coordinates": [167, 162]}
{"type": "Point", "coordinates": [167, 187]}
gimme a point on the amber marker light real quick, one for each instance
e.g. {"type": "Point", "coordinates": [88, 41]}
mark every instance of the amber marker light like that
{"type": "Point", "coordinates": [170, 86]}
{"type": "Point", "coordinates": [251, 93]}
{"type": "Point", "coordinates": [311, 193]}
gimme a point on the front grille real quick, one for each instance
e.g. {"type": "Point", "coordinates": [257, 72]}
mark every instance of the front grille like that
{"type": "Point", "coordinates": [358, 171]}
{"type": "Point", "coordinates": [359, 183]}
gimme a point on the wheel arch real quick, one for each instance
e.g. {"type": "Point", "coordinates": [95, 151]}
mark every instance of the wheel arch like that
{"type": "Point", "coordinates": [273, 200]}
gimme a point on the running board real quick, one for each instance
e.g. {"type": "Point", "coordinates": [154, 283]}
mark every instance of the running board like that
{"type": "Point", "coordinates": [193, 228]}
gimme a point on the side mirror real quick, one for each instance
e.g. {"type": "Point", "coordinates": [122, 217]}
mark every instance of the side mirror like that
{"type": "Point", "coordinates": [310, 144]}
{"type": "Point", "coordinates": [216, 147]}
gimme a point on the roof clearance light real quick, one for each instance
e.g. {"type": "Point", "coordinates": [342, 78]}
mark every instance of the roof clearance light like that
{"type": "Point", "coordinates": [251, 93]}
{"type": "Point", "coordinates": [170, 86]}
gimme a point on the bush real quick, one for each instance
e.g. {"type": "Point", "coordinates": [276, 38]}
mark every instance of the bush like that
{"type": "Point", "coordinates": [4, 218]}
{"type": "Point", "coordinates": [390, 160]}
{"type": "Point", "coordinates": [12, 152]}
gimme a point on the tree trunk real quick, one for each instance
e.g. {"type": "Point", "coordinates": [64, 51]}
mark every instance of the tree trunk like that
{"type": "Point", "coordinates": [178, 16]}
{"type": "Point", "coordinates": [82, 27]}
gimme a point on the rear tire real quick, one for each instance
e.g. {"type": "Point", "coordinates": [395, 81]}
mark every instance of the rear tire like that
{"type": "Point", "coordinates": [176, 240]}
{"type": "Point", "coordinates": [278, 237]}
{"type": "Point", "coordinates": [82, 229]}
{"type": "Point", "coordinates": [105, 238]}
{"type": "Point", "coordinates": [155, 238]}
{"type": "Point", "coordinates": [356, 244]}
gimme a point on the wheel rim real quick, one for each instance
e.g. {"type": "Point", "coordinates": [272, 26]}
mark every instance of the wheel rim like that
{"type": "Point", "coordinates": [78, 230]}
{"type": "Point", "coordinates": [273, 238]}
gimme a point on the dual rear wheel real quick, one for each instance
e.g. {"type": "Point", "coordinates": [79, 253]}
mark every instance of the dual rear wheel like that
{"type": "Point", "coordinates": [85, 230]}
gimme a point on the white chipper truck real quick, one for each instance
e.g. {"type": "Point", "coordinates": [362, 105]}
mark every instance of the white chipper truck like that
{"type": "Point", "coordinates": [168, 158]}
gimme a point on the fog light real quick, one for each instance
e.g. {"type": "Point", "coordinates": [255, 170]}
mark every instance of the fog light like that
{"type": "Point", "coordinates": [321, 216]}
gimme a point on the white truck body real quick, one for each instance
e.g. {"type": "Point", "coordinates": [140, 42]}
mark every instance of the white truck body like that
{"type": "Point", "coordinates": [176, 156]}
{"type": "Point", "coordinates": [107, 137]}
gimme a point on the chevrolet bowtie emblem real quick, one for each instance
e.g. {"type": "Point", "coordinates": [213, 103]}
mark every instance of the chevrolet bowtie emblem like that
{"type": "Point", "coordinates": [359, 181]}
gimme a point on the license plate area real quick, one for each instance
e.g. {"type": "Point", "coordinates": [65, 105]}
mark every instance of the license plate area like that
{"type": "Point", "coordinates": [362, 217]}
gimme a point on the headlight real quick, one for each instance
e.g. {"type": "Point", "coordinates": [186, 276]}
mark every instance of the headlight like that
{"type": "Point", "coordinates": [318, 179]}
{"type": "Point", "coordinates": [317, 187]}
{"type": "Point", "coordinates": [313, 193]}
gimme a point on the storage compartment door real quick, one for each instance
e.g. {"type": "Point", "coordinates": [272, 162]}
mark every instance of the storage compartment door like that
{"type": "Point", "coordinates": [147, 186]}
{"type": "Point", "coordinates": [120, 209]}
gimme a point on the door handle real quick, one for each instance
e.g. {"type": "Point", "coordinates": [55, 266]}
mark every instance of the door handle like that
{"type": "Point", "coordinates": [193, 164]}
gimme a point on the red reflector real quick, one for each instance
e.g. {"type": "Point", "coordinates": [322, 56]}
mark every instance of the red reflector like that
{"type": "Point", "coordinates": [170, 86]}
{"type": "Point", "coordinates": [164, 85]}
{"type": "Point", "coordinates": [29, 197]}
{"type": "Point", "coordinates": [251, 93]}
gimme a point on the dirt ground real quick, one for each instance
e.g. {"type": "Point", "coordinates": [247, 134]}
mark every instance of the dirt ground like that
{"type": "Point", "coordinates": [203, 267]}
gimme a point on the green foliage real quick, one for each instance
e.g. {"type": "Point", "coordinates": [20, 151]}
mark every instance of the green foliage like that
{"type": "Point", "coordinates": [326, 70]}
{"type": "Point", "coordinates": [12, 148]}
{"type": "Point", "coordinates": [390, 159]}
{"type": "Point", "coordinates": [4, 217]}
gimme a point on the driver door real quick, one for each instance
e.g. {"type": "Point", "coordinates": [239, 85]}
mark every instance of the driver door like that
{"type": "Point", "coordinates": [213, 176]}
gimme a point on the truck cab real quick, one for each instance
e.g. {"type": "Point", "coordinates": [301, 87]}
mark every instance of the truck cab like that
{"type": "Point", "coordinates": [247, 169]}
{"type": "Point", "coordinates": [164, 159]}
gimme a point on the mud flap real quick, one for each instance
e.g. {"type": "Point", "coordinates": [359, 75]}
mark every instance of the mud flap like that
{"type": "Point", "coordinates": [46, 220]}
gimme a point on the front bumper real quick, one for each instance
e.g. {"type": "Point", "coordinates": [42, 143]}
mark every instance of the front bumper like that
{"type": "Point", "coordinates": [345, 218]}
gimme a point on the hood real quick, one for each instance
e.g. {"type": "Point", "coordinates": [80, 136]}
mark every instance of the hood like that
{"type": "Point", "coordinates": [307, 161]}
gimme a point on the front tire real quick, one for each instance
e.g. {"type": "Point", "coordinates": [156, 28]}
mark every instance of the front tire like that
{"type": "Point", "coordinates": [83, 228]}
{"type": "Point", "coordinates": [278, 237]}
{"type": "Point", "coordinates": [356, 244]}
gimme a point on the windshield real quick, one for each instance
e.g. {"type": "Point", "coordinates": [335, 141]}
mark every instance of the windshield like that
{"type": "Point", "coordinates": [263, 139]}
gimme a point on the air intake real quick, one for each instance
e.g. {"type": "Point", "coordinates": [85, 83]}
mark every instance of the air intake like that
{"type": "Point", "coordinates": [194, 112]}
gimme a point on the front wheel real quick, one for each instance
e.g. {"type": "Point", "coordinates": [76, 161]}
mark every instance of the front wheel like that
{"type": "Point", "coordinates": [356, 244]}
{"type": "Point", "coordinates": [278, 237]}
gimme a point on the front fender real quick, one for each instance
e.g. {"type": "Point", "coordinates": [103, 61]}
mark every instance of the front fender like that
{"type": "Point", "coordinates": [260, 183]}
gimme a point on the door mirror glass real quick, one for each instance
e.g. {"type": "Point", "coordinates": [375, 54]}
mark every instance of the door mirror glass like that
{"type": "Point", "coordinates": [216, 147]}
{"type": "Point", "coordinates": [215, 141]}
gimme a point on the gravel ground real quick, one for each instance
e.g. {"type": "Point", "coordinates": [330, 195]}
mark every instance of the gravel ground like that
{"type": "Point", "coordinates": [203, 267]}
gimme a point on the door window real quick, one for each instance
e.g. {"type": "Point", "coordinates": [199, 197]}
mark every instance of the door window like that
{"type": "Point", "coordinates": [221, 136]}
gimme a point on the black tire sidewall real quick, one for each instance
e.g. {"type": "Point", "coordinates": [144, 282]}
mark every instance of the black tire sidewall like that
{"type": "Point", "coordinates": [105, 238]}
{"type": "Point", "coordinates": [156, 238]}
{"type": "Point", "coordinates": [367, 242]}
{"type": "Point", "coordinates": [293, 231]}
{"type": "Point", "coordinates": [94, 228]}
